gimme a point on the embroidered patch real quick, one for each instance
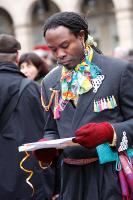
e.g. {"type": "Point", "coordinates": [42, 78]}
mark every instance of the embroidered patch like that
{"type": "Point", "coordinates": [96, 82]}
{"type": "Point", "coordinates": [105, 103]}
{"type": "Point", "coordinates": [124, 143]}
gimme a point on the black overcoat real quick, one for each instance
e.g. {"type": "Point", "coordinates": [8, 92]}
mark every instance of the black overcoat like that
{"type": "Point", "coordinates": [25, 125]}
{"type": "Point", "coordinates": [93, 181]}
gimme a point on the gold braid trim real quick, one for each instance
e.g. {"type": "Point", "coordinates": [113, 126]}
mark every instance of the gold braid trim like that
{"type": "Point", "coordinates": [27, 171]}
{"type": "Point", "coordinates": [43, 167]}
{"type": "Point", "coordinates": [54, 94]}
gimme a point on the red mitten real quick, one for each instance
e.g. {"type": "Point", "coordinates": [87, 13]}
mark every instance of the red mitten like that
{"type": "Point", "coordinates": [94, 134]}
{"type": "Point", "coordinates": [45, 155]}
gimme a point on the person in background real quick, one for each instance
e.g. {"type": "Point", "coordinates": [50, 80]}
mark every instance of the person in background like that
{"type": "Point", "coordinates": [33, 66]}
{"type": "Point", "coordinates": [92, 102]}
{"type": "Point", "coordinates": [25, 124]}
{"type": "Point", "coordinates": [44, 52]}
{"type": "Point", "coordinates": [125, 54]}
{"type": "Point", "coordinates": [120, 52]}
{"type": "Point", "coordinates": [129, 57]}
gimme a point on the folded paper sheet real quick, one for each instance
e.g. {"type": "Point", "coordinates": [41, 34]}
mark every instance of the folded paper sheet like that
{"type": "Point", "coordinates": [58, 143]}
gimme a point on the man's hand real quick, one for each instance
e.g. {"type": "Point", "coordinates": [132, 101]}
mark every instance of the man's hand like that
{"type": "Point", "coordinates": [94, 134]}
{"type": "Point", "coordinates": [45, 155]}
{"type": "Point", "coordinates": [55, 197]}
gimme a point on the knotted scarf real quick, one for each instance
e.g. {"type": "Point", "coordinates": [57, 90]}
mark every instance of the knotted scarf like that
{"type": "Point", "coordinates": [78, 80]}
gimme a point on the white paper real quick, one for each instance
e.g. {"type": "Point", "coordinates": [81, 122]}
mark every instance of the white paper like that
{"type": "Point", "coordinates": [58, 143]}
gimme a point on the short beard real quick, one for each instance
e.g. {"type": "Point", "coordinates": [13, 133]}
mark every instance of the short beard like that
{"type": "Point", "coordinates": [69, 67]}
{"type": "Point", "coordinates": [72, 67]}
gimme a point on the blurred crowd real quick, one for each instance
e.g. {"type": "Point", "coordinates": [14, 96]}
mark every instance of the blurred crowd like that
{"type": "Point", "coordinates": [123, 53]}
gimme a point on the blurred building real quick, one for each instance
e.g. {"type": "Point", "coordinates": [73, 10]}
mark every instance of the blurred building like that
{"type": "Point", "coordinates": [110, 21]}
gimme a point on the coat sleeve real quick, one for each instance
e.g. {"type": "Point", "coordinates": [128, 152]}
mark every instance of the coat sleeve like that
{"type": "Point", "coordinates": [124, 130]}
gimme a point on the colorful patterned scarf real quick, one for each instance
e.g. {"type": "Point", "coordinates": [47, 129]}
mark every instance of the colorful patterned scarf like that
{"type": "Point", "coordinates": [78, 80]}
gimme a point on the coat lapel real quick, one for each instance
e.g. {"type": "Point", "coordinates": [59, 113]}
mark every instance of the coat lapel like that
{"type": "Point", "coordinates": [83, 102]}
{"type": "Point", "coordinates": [56, 85]}
{"type": "Point", "coordinates": [86, 98]}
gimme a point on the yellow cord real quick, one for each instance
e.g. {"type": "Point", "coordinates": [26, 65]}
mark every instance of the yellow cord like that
{"type": "Point", "coordinates": [27, 171]}
{"type": "Point", "coordinates": [54, 94]}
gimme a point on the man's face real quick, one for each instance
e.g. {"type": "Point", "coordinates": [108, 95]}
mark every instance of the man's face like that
{"type": "Point", "coordinates": [66, 47]}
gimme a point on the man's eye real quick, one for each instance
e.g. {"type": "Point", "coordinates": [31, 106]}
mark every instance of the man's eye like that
{"type": "Point", "coordinates": [65, 45]}
{"type": "Point", "coordinates": [53, 50]}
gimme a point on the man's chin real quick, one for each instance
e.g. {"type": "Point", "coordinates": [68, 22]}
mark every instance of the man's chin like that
{"type": "Point", "coordinates": [69, 67]}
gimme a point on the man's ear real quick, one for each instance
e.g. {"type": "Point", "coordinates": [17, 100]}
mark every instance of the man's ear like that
{"type": "Point", "coordinates": [82, 37]}
{"type": "Point", "coordinates": [17, 57]}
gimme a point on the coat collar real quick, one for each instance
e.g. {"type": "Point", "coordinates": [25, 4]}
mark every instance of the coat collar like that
{"type": "Point", "coordinates": [57, 85]}
{"type": "Point", "coordinates": [10, 67]}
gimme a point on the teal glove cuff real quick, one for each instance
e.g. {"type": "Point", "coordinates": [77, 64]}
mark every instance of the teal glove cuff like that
{"type": "Point", "coordinates": [106, 154]}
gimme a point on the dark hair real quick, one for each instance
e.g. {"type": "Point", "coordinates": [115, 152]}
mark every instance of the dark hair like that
{"type": "Point", "coordinates": [71, 20]}
{"type": "Point", "coordinates": [129, 57]}
{"type": "Point", "coordinates": [130, 52]}
{"type": "Point", "coordinates": [37, 62]}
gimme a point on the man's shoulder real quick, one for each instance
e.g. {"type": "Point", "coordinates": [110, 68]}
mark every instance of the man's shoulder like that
{"type": "Point", "coordinates": [117, 61]}
{"type": "Point", "coordinates": [53, 73]}
{"type": "Point", "coordinates": [53, 76]}
{"type": "Point", "coordinates": [115, 65]}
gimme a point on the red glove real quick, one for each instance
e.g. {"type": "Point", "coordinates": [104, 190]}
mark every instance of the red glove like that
{"type": "Point", "coordinates": [45, 155]}
{"type": "Point", "coordinates": [94, 134]}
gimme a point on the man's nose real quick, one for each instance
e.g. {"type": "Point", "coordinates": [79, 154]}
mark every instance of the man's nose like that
{"type": "Point", "coordinates": [60, 54]}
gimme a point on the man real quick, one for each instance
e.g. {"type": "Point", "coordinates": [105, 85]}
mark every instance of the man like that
{"type": "Point", "coordinates": [25, 124]}
{"type": "Point", "coordinates": [92, 100]}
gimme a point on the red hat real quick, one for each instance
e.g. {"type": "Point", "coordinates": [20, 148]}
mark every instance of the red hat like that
{"type": "Point", "coordinates": [42, 50]}
{"type": "Point", "coordinates": [42, 47]}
